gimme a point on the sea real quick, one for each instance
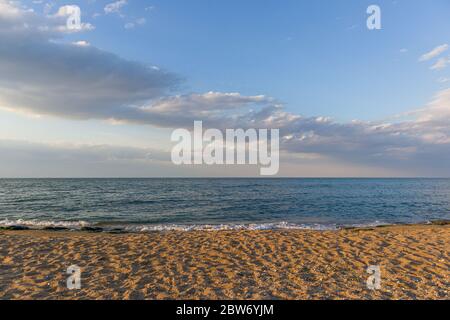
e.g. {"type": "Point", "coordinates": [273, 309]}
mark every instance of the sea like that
{"type": "Point", "coordinates": [185, 204]}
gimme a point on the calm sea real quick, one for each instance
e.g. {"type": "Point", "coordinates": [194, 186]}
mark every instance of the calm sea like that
{"type": "Point", "coordinates": [186, 204]}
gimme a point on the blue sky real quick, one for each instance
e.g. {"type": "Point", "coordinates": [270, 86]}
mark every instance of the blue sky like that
{"type": "Point", "coordinates": [294, 51]}
{"type": "Point", "coordinates": [315, 58]}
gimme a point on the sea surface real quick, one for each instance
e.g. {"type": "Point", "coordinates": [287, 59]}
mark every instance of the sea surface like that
{"type": "Point", "coordinates": [191, 204]}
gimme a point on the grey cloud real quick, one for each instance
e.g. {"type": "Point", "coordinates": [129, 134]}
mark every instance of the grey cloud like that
{"type": "Point", "coordinates": [39, 74]}
{"type": "Point", "coordinates": [74, 81]}
{"type": "Point", "coordinates": [421, 143]}
{"type": "Point", "coordinates": [215, 109]}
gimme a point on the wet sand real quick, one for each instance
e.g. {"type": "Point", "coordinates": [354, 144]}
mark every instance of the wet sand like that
{"type": "Point", "coordinates": [291, 264]}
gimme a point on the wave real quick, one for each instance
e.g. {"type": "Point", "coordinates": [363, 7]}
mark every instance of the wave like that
{"type": "Point", "coordinates": [142, 228]}
{"type": "Point", "coordinates": [41, 224]}
{"type": "Point", "coordinates": [218, 227]}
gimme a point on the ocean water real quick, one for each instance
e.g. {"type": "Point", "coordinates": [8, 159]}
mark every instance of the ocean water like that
{"type": "Point", "coordinates": [190, 204]}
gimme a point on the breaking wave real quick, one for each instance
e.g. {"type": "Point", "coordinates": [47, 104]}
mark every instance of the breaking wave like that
{"type": "Point", "coordinates": [142, 228]}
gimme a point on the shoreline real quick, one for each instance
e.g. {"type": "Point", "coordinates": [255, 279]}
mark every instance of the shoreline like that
{"type": "Point", "coordinates": [137, 228]}
{"type": "Point", "coordinates": [228, 264]}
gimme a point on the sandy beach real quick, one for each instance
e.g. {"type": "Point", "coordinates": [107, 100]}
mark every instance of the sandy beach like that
{"type": "Point", "coordinates": [292, 264]}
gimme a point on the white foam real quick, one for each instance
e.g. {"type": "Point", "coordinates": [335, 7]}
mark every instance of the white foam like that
{"type": "Point", "coordinates": [370, 224]}
{"type": "Point", "coordinates": [218, 227]}
{"type": "Point", "coordinates": [39, 224]}
{"type": "Point", "coordinates": [77, 225]}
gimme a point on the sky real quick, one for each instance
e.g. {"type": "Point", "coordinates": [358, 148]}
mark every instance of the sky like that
{"type": "Point", "coordinates": [103, 101]}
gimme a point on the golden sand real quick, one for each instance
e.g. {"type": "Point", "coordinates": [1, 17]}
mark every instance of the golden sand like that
{"type": "Point", "coordinates": [291, 264]}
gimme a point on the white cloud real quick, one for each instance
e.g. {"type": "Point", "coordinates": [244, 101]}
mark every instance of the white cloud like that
{"type": "Point", "coordinates": [67, 11]}
{"type": "Point", "coordinates": [24, 22]}
{"type": "Point", "coordinates": [81, 43]}
{"type": "Point", "coordinates": [141, 21]}
{"type": "Point", "coordinates": [115, 7]}
{"type": "Point", "coordinates": [434, 53]}
{"type": "Point", "coordinates": [442, 63]}
{"type": "Point", "coordinates": [207, 103]}
{"type": "Point", "coordinates": [9, 11]}
{"type": "Point", "coordinates": [438, 109]}
{"type": "Point", "coordinates": [137, 22]}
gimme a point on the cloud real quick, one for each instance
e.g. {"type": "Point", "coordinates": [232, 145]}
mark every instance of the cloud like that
{"type": "Point", "coordinates": [81, 43]}
{"type": "Point", "coordinates": [434, 53]}
{"type": "Point", "coordinates": [74, 81]}
{"type": "Point", "coordinates": [41, 75]}
{"type": "Point", "coordinates": [15, 20]}
{"type": "Point", "coordinates": [141, 21]}
{"type": "Point", "coordinates": [216, 109]}
{"type": "Point", "coordinates": [66, 12]}
{"type": "Point", "coordinates": [30, 159]}
{"type": "Point", "coordinates": [115, 7]}
{"type": "Point", "coordinates": [137, 22]}
{"type": "Point", "coordinates": [421, 144]}
{"type": "Point", "coordinates": [442, 63]}
{"type": "Point", "coordinates": [7, 10]}
{"type": "Point", "coordinates": [438, 108]}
